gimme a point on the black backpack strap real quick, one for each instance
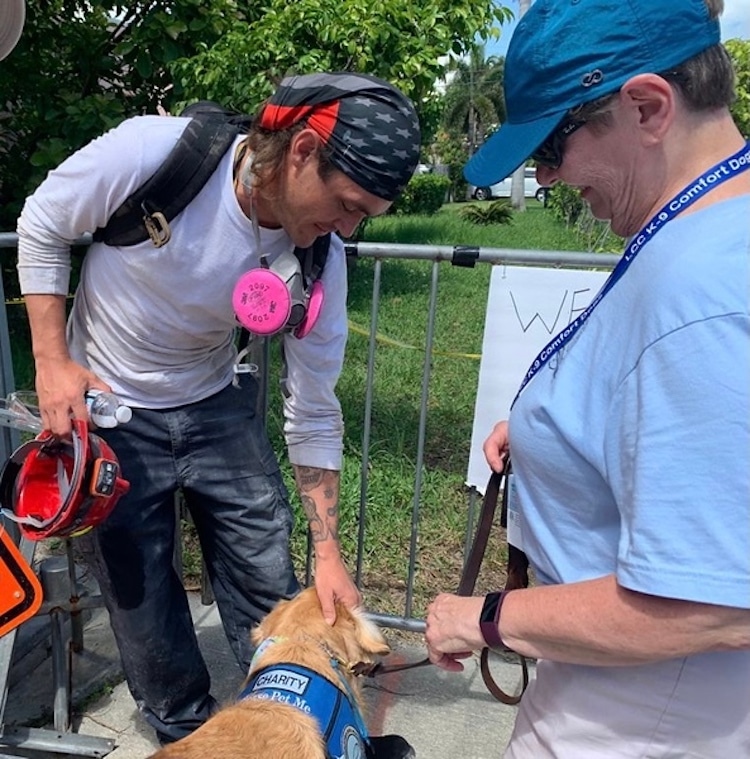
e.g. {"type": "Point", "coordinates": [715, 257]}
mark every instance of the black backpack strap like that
{"type": "Point", "coordinates": [313, 259]}
{"type": "Point", "coordinates": [190, 163]}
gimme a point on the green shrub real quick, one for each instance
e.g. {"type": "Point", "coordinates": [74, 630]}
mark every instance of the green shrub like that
{"type": "Point", "coordinates": [425, 194]}
{"type": "Point", "coordinates": [565, 202]}
{"type": "Point", "coordinates": [566, 205]}
{"type": "Point", "coordinates": [497, 212]}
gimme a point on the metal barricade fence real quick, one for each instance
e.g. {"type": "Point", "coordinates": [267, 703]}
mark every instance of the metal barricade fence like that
{"type": "Point", "coordinates": [438, 255]}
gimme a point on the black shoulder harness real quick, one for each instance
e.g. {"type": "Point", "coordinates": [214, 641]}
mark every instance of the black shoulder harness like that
{"type": "Point", "coordinates": [146, 214]}
{"type": "Point", "coordinates": [194, 158]}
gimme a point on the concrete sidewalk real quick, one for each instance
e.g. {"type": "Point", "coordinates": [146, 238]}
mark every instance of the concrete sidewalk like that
{"type": "Point", "coordinates": [442, 715]}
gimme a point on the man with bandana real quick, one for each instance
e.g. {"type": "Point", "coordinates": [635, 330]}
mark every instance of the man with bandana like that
{"type": "Point", "coordinates": [156, 326]}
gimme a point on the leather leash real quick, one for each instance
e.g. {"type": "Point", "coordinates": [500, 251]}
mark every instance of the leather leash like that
{"type": "Point", "coordinates": [517, 578]}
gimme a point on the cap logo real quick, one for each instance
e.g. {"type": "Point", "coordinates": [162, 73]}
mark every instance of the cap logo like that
{"type": "Point", "coordinates": [592, 78]}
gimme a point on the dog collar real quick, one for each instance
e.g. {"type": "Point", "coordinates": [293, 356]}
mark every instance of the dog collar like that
{"type": "Point", "coordinates": [264, 645]}
{"type": "Point", "coordinates": [337, 716]}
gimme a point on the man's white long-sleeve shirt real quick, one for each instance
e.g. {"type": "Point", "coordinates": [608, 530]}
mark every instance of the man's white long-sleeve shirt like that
{"type": "Point", "coordinates": [157, 323]}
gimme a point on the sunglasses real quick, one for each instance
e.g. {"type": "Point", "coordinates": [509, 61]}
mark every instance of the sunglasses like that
{"type": "Point", "coordinates": [550, 152]}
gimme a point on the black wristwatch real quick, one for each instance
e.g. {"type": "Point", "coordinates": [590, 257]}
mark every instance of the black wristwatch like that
{"type": "Point", "coordinates": [490, 618]}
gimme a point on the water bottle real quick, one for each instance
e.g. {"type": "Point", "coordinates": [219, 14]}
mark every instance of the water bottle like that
{"type": "Point", "coordinates": [106, 409]}
{"type": "Point", "coordinates": [15, 413]}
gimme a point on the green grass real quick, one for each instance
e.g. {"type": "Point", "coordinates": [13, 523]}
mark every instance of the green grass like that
{"type": "Point", "coordinates": [535, 228]}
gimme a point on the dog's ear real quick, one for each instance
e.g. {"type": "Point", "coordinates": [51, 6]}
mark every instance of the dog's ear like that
{"type": "Point", "coordinates": [287, 617]}
{"type": "Point", "coordinates": [367, 636]}
{"type": "Point", "coordinates": [256, 635]}
{"type": "Point", "coordinates": [371, 638]}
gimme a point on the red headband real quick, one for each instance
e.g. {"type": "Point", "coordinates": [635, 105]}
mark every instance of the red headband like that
{"type": "Point", "coordinates": [320, 118]}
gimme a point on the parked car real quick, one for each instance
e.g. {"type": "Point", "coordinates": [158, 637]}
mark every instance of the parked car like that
{"type": "Point", "coordinates": [531, 188]}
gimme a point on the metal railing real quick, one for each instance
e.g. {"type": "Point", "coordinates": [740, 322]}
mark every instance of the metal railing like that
{"type": "Point", "coordinates": [439, 255]}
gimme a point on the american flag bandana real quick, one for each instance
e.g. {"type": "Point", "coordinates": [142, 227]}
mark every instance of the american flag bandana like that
{"type": "Point", "coordinates": [370, 126]}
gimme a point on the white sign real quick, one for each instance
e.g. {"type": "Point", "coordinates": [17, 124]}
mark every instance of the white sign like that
{"type": "Point", "coordinates": [526, 308]}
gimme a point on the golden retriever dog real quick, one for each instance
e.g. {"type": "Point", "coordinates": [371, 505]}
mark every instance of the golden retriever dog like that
{"type": "Point", "coordinates": [300, 661]}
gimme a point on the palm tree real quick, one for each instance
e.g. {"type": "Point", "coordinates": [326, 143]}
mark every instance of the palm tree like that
{"type": "Point", "coordinates": [474, 102]}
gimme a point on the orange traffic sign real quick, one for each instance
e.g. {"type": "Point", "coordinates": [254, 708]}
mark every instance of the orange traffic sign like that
{"type": "Point", "coordinates": [20, 591]}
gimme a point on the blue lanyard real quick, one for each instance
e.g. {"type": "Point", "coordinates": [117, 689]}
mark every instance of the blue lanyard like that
{"type": "Point", "coordinates": [723, 171]}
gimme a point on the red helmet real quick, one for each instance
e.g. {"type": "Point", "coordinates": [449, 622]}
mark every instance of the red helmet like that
{"type": "Point", "coordinates": [60, 487]}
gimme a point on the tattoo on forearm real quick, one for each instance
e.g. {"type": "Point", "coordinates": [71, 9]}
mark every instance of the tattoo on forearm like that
{"type": "Point", "coordinates": [323, 516]}
{"type": "Point", "coordinates": [307, 477]}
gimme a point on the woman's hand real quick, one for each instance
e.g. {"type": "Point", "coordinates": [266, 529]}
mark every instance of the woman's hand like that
{"type": "Point", "coordinates": [495, 447]}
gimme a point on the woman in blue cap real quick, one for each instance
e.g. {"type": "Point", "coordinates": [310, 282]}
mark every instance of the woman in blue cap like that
{"type": "Point", "coordinates": [629, 437]}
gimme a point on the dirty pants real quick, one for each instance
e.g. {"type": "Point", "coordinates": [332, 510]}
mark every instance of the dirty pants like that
{"type": "Point", "coordinates": [217, 452]}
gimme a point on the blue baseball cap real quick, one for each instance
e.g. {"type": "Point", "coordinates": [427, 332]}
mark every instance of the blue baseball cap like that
{"type": "Point", "coordinates": [564, 53]}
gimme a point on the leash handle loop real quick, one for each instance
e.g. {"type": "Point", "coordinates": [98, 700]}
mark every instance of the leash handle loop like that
{"type": "Point", "coordinates": [497, 488]}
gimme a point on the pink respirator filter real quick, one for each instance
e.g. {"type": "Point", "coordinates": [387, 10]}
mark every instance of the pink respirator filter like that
{"type": "Point", "coordinates": [261, 302]}
{"type": "Point", "coordinates": [314, 306]}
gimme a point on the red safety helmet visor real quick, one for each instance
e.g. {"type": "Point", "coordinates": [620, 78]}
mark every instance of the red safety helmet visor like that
{"type": "Point", "coordinates": [61, 488]}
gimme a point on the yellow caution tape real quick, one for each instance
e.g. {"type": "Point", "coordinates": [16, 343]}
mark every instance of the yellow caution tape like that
{"type": "Point", "coordinates": [385, 340]}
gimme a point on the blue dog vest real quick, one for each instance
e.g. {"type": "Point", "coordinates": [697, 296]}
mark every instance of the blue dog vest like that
{"type": "Point", "coordinates": [339, 720]}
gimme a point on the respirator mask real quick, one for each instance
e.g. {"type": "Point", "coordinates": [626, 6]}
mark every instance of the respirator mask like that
{"type": "Point", "coordinates": [284, 295]}
{"type": "Point", "coordinates": [279, 296]}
